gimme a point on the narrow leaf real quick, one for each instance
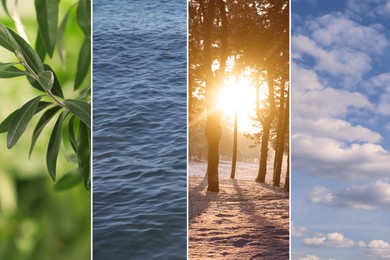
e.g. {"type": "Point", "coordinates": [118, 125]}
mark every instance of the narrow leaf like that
{"type": "Point", "coordinates": [7, 40]}
{"type": "Point", "coordinates": [43, 121]}
{"type": "Point", "coordinates": [4, 126]}
{"type": "Point", "coordinates": [84, 17]}
{"type": "Point", "coordinates": [56, 89]}
{"type": "Point", "coordinates": [29, 54]}
{"type": "Point", "coordinates": [81, 109]}
{"type": "Point", "coordinates": [4, 3]}
{"type": "Point", "coordinates": [68, 181]}
{"type": "Point", "coordinates": [46, 79]}
{"type": "Point", "coordinates": [20, 121]}
{"type": "Point", "coordinates": [54, 148]}
{"type": "Point", "coordinates": [40, 47]}
{"type": "Point", "coordinates": [47, 15]}
{"type": "Point", "coordinates": [60, 36]}
{"type": "Point", "coordinates": [9, 71]}
{"type": "Point", "coordinates": [84, 154]}
{"type": "Point", "coordinates": [72, 136]}
{"type": "Point", "coordinates": [4, 66]}
{"type": "Point", "coordinates": [42, 105]}
{"type": "Point", "coordinates": [83, 63]}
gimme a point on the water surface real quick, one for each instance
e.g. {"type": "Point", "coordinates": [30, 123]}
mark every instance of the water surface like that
{"type": "Point", "coordinates": [139, 141]}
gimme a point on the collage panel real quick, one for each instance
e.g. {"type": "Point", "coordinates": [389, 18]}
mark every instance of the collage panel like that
{"type": "Point", "coordinates": [139, 154]}
{"type": "Point", "coordinates": [340, 130]}
{"type": "Point", "coordinates": [45, 129]}
{"type": "Point", "coordinates": [238, 129]}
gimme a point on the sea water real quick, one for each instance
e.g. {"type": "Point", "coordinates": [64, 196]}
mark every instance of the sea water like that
{"type": "Point", "coordinates": [139, 129]}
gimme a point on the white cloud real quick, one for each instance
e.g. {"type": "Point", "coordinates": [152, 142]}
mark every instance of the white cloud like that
{"type": "Point", "coordinates": [362, 244]}
{"type": "Point", "coordinates": [330, 158]}
{"type": "Point", "coordinates": [305, 79]}
{"type": "Point", "coordinates": [335, 239]}
{"type": "Point", "coordinates": [377, 248]}
{"type": "Point", "coordinates": [370, 8]}
{"type": "Point", "coordinates": [340, 46]}
{"type": "Point", "coordinates": [367, 197]}
{"type": "Point", "coordinates": [384, 104]}
{"type": "Point", "coordinates": [309, 257]}
{"type": "Point", "coordinates": [321, 195]}
{"type": "Point", "coordinates": [336, 129]}
{"type": "Point", "coordinates": [299, 231]}
{"type": "Point", "coordinates": [348, 63]}
{"type": "Point", "coordinates": [305, 256]}
{"type": "Point", "coordinates": [335, 30]}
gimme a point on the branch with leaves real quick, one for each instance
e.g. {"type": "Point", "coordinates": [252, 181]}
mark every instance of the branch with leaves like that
{"type": "Point", "coordinates": [74, 115]}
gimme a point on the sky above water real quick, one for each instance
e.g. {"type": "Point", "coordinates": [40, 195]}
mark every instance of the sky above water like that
{"type": "Point", "coordinates": [340, 129]}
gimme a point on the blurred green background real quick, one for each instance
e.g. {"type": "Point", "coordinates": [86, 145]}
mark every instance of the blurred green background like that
{"type": "Point", "coordinates": [37, 222]}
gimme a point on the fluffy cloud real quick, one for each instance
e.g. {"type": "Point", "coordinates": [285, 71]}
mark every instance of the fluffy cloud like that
{"type": "Point", "coordinates": [367, 197]}
{"type": "Point", "coordinates": [336, 129]}
{"type": "Point", "coordinates": [304, 256]}
{"type": "Point", "coordinates": [380, 85]}
{"type": "Point", "coordinates": [333, 159]}
{"type": "Point", "coordinates": [370, 8]}
{"type": "Point", "coordinates": [376, 248]}
{"type": "Point", "coordinates": [340, 46]}
{"type": "Point", "coordinates": [335, 30]}
{"type": "Point", "coordinates": [349, 64]}
{"type": "Point", "coordinates": [335, 239]}
{"type": "Point", "coordinates": [299, 231]}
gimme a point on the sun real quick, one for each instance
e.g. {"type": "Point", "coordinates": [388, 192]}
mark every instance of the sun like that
{"type": "Point", "coordinates": [238, 94]}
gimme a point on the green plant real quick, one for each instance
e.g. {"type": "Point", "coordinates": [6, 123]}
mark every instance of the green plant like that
{"type": "Point", "coordinates": [73, 124]}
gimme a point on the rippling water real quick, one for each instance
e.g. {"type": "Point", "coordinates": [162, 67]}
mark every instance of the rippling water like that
{"type": "Point", "coordinates": [139, 129]}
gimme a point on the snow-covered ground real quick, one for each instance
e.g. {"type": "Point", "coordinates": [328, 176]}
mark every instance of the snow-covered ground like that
{"type": "Point", "coordinates": [244, 171]}
{"type": "Point", "coordinates": [244, 220]}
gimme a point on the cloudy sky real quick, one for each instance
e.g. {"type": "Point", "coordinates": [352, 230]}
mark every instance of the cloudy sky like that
{"type": "Point", "coordinates": [340, 129]}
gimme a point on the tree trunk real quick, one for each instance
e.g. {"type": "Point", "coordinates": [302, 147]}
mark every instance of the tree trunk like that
{"type": "Point", "coordinates": [234, 159]}
{"type": "Point", "coordinates": [281, 133]}
{"type": "Point", "coordinates": [263, 153]}
{"type": "Point", "coordinates": [213, 129]}
{"type": "Point", "coordinates": [266, 122]}
{"type": "Point", "coordinates": [287, 182]}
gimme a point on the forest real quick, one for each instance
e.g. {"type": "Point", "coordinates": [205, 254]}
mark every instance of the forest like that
{"type": "Point", "coordinates": [238, 85]}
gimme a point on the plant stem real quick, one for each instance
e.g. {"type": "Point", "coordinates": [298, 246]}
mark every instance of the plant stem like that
{"type": "Point", "coordinates": [35, 76]}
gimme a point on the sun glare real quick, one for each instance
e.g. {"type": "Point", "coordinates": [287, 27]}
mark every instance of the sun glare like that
{"type": "Point", "coordinates": [238, 94]}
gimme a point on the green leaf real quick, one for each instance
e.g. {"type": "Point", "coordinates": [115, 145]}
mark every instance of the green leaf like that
{"type": "Point", "coordinates": [4, 3]}
{"type": "Point", "coordinates": [84, 154]}
{"type": "Point", "coordinates": [20, 121]}
{"type": "Point", "coordinates": [56, 89]}
{"type": "Point", "coordinates": [29, 54]}
{"type": "Point", "coordinates": [47, 15]}
{"type": "Point", "coordinates": [68, 181]}
{"type": "Point", "coordinates": [60, 36]}
{"type": "Point", "coordinates": [7, 40]}
{"type": "Point", "coordinates": [4, 126]}
{"type": "Point", "coordinates": [81, 109]}
{"type": "Point", "coordinates": [42, 105]}
{"type": "Point", "coordinates": [84, 17]}
{"type": "Point", "coordinates": [72, 136]}
{"type": "Point", "coordinates": [46, 79]}
{"type": "Point", "coordinates": [9, 71]}
{"type": "Point", "coordinates": [54, 148]}
{"type": "Point", "coordinates": [4, 66]}
{"type": "Point", "coordinates": [40, 47]}
{"type": "Point", "coordinates": [43, 121]}
{"type": "Point", "coordinates": [83, 63]}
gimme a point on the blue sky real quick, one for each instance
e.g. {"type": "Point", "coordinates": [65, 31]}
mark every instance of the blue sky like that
{"type": "Point", "coordinates": [340, 129]}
